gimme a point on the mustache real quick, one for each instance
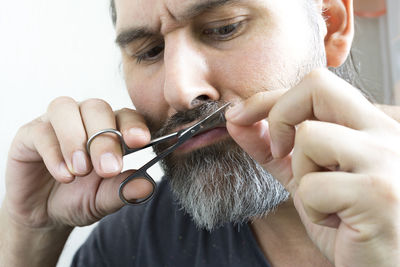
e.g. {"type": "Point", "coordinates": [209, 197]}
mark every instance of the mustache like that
{"type": "Point", "coordinates": [188, 116]}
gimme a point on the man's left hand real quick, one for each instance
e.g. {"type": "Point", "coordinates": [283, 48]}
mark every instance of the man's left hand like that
{"type": "Point", "coordinates": [339, 157]}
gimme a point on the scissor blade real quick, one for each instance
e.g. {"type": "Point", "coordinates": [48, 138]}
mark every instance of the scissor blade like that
{"type": "Point", "coordinates": [153, 142]}
{"type": "Point", "coordinates": [208, 118]}
{"type": "Point", "coordinates": [201, 125]}
{"type": "Point", "coordinates": [206, 123]}
{"type": "Point", "coordinates": [162, 139]}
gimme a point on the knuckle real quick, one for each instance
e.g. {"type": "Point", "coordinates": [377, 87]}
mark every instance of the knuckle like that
{"type": "Point", "coordinates": [316, 75]}
{"type": "Point", "coordinates": [94, 103]}
{"type": "Point", "coordinates": [36, 219]}
{"type": "Point", "coordinates": [27, 126]}
{"type": "Point", "coordinates": [130, 117]}
{"type": "Point", "coordinates": [60, 101]}
{"type": "Point", "coordinates": [384, 193]}
{"type": "Point", "coordinates": [69, 143]}
{"type": "Point", "coordinates": [126, 111]}
{"type": "Point", "coordinates": [40, 128]}
{"type": "Point", "coordinates": [384, 188]}
{"type": "Point", "coordinates": [38, 131]}
{"type": "Point", "coordinates": [259, 98]}
{"type": "Point", "coordinates": [22, 133]}
{"type": "Point", "coordinates": [318, 83]}
{"type": "Point", "coordinates": [304, 129]}
{"type": "Point", "coordinates": [26, 129]}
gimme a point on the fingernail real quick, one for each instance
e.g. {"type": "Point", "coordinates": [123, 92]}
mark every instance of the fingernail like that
{"type": "Point", "coordinates": [79, 162]}
{"type": "Point", "coordinates": [234, 111]}
{"type": "Point", "coordinates": [63, 171]}
{"type": "Point", "coordinates": [138, 133]}
{"type": "Point", "coordinates": [109, 163]}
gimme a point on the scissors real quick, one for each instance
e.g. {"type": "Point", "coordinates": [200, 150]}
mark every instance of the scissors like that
{"type": "Point", "coordinates": [182, 136]}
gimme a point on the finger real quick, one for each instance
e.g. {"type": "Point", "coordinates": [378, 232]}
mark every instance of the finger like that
{"type": "Point", "coordinates": [321, 95]}
{"type": "Point", "coordinates": [65, 118]}
{"type": "Point", "coordinates": [331, 220]}
{"type": "Point", "coordinates": [322, 145]}
{"type": "Point", "coordinates": [133, 127]}
{"type": "Point", "coordinates": [107, 199]}
{"type": "Point", "coordinates": [359, 204]}
{"type": "Point", "coordinates": [281, 170]}
{"type": "Point", "coordinates": [324, 194]}
{"type": "Point", "coordinates": [346, 197]}
{"type": "Point", "coordinates": [253, 139]}
{"type": "Point", "coordinates": [391, 111]}
{"type": "Point", "coordinates": [45, 142]}
{"type": "Point", "coordinates": [356, 199]}
{"type": "Point", "coordinates": [318, 237]}
{"type": "Point", "coordinates": [105, 150]}
{"type": "Point", "coordinates": [253, 109]}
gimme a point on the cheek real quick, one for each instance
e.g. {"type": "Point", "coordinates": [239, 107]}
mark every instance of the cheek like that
{"type": "Point", "coordinates": [147, 95]}
{"type": "Point", "coordinates": [258, 66]}
{"type": "Point", "coordinates": [269, 60]}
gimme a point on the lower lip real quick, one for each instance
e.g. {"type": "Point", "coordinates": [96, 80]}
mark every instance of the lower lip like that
{"type": "Point", "coordinates": [204, 139]}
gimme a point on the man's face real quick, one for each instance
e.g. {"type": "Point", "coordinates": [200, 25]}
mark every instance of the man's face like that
{"type": "Point", "coordinates": [179, 54]}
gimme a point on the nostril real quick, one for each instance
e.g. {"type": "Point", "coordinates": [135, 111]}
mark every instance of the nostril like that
{"type": "Point", "coordinates": [199, 100]}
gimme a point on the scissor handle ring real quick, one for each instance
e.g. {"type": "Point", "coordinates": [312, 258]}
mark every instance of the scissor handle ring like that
{"type": "Point", "coordinates": [137, 175]}
{"type": "Point", "coordinates": [118, 133]}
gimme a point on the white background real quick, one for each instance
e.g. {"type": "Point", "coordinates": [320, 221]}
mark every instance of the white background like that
{"type": "Point", "coordinates": [65, 47]}
{"type": "Point", "coordinates": [50, 49]}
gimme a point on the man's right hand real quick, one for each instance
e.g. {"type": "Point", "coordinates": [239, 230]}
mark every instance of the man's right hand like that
{"type": "Point", "coordinates": [51, 181]}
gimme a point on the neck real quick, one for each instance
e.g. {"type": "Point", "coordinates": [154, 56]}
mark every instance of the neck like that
{"type": "Point", "coordinates": [284, 241]}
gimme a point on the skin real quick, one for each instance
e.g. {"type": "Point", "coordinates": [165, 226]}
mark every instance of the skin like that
{"type": "Point", "coordinates": [330, 164]}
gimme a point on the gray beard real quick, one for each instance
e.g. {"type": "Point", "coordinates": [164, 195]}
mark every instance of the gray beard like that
{"type": "Point", "coordinates": [220, 183]}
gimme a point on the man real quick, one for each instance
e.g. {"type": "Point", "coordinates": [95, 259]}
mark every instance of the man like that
{"type": "Point", "coordinates": [324, 143]}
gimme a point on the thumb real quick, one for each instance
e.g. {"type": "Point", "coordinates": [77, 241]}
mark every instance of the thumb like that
{"type": "Point", "coordinates": [107, 197]}
{"type": "Point", "coordinates": [254, 139]}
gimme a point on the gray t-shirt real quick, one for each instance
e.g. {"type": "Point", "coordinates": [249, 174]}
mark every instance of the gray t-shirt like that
{"type": "Point", "coordinates": [159, 233]}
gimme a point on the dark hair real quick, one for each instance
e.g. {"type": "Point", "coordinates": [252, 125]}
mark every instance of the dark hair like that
{"type": "Point", "coordinates": [113, 12]}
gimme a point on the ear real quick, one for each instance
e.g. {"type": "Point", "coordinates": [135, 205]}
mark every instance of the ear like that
{"type": "Point", "coordinates": [339, 19]}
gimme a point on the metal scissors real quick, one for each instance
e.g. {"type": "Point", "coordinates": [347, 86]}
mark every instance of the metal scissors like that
{"type": "Point", "coordinates": [182, 136]}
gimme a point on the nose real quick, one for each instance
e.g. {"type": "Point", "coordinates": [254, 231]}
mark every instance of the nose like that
{"type": "Point", "coordinates": [187, 74]}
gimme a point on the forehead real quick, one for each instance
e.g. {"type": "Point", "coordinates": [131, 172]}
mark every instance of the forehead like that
{"type": "Point", "coordinates": [152, 13]}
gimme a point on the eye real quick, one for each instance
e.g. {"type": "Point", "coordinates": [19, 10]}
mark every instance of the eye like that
{"type": "Point", "coordinates": [225, 32]}
{"type": "Point", "coordinates": [150, 54]}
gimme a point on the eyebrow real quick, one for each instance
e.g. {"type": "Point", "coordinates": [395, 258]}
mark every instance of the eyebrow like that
{"type": "Point", "coordinates": [132, 34]}
{"type": "Point", "coordinates": [128, 36]}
